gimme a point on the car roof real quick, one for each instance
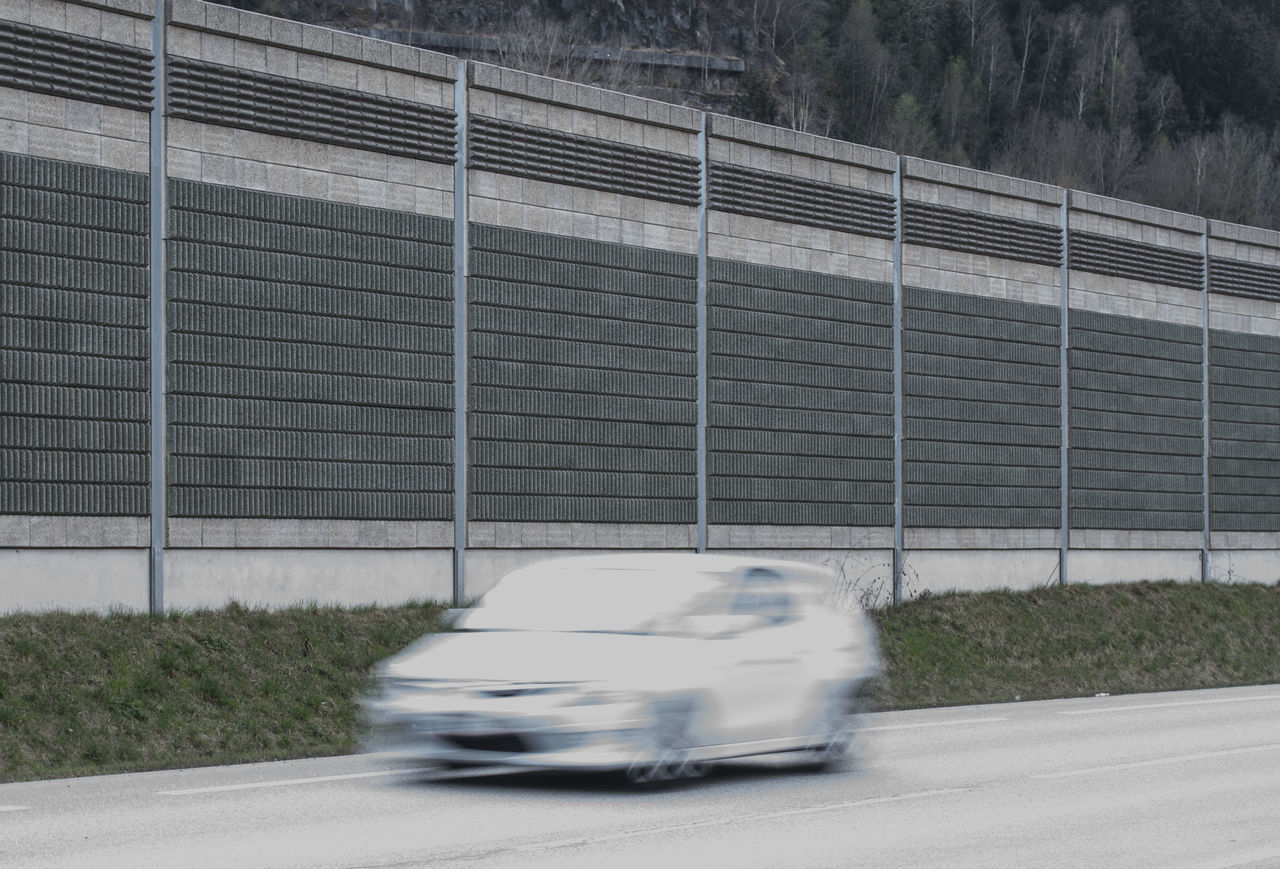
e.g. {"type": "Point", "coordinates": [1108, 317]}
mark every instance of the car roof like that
{"type": "Point", "coordinates": [684, 562]}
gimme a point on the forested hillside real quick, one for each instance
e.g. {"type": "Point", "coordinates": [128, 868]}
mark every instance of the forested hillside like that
{"type": "Point", "coordinates": [1170, 102]}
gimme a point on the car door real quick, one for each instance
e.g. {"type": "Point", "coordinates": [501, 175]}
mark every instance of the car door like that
{"type": "Point", "coordinates": [761, 668]}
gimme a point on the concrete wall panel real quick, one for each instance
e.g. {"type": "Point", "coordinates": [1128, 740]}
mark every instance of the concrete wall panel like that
{"type": "Point", "coordinates": [212, 578]}
{"type": "Point", "coordinates": [1102, 567]}
{"type": "Point", "coordinates": [98, 580]}
{"type": "Point", "coordinates": [1245, 566]}
{"type": "Point", "coordinates": [941, 570]}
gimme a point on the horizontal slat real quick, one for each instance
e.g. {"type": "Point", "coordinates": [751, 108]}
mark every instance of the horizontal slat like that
{"type": "Point", "coordinates": [294, 413]}
{"type": "Point", "coordinates": [310, 503]}
{"type": "Point", "coordinates": [560, 430]}
{"type": "Point", "coordinates": [955, 495]}
{"type": "Point", "coordinates": [76, 499]}
{"type": "Point", "coordinates": [981, 233]}
{"type": "Point", "coordinates": [416, 448]}
{"type": "Point", "coordinates": [789, 199]}
{"type": "Point", "coordinates": [67, 65]}
{"type": "Point", "coordinates": [1250, 280]}
{"type": "Point", "coordinates": [774, 512]}
{"type": "Point", "coordinates": [577, 456]}
{"type": "Point", "coordinates": [550, 155]}
{"type": "Point", "coordinates": [1122, 258]}
{"type": "Point", "coordinates": [1139, 518]}
{"type": "Point", "coordinates": [553, 508]}
{"type": "Point", "coordinates": [215, 94]}
{"type": "Point", "coordinates": [979, 517]}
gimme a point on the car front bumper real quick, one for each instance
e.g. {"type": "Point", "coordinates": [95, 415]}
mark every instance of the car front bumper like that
{"type": "Point", "coordinates": [584, 738]}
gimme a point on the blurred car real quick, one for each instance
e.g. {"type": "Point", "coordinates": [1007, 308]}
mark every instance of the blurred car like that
{"type": "Point", "coordinates": [652, 665]}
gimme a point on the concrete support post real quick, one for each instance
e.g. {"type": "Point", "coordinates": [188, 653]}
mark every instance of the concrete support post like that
{"type": "Point", "coordinates": [703, 204]}
{"type": "Point", "coordinates": [155, 584]}
{"type": "Point", "coordinates": [1064, 396]}
{"type": "Point", "coordinates": [460, 340]}
{"type": "Point", "coordinates": [897, 383]}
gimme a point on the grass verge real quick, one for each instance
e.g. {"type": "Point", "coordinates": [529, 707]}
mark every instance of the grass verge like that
{"type": "Point", "coordinates": [1080, 640]}
{"type": "Point", "coordinates": [84, 694]}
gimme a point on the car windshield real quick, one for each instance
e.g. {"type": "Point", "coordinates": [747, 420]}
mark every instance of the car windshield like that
{"type": "Point", "coordinates": [614, 600]}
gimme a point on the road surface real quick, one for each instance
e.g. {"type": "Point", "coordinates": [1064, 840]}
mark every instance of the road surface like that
{"type": "Point", "coordinates": [1159, 780]}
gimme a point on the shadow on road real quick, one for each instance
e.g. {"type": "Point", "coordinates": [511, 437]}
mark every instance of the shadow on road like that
{"type": "Point", "coordinates": [510, 779]}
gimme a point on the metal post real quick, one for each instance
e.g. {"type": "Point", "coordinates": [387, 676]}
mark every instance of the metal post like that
{"type": "Point", "coordinates": [155, 583]}
{"type": "Point", "coordinates": [704, 182]}
{"type": "Point", "coordinates": [897, 383]}
{"type": "Point", "coordinates": [1206, 542]}
{"type": "Point", "coordinates": [460, 339]}
{"type": "Point", "coordinates": [1064, 397]}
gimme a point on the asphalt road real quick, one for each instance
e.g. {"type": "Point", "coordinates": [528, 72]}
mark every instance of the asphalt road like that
{"type": "Point", "coordinates": [1159, 780]}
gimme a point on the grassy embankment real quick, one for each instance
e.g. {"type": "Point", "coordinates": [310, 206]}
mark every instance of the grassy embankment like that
{"type": "Point", "coordinates": [83, 694]}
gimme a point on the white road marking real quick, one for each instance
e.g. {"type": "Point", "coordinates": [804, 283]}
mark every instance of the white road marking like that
{"type": "Point", "coordinates": [1160, 761]}
{"type": "Point", "coordinates": [14, 808]}
{"type": "Point", "coordinates": [1170, 705]}
{"type": "Point", "coordinates": [735, 819]}
{"type": "Point", "coordinates": [1263, 858]}
{"type": "Point", "coordinates": [284, 783]}
{"type": "Point", "coordinates": [956, 721]}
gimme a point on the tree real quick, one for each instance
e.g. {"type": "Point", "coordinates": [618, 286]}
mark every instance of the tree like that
{"type": "Point", "coordinates": [1121, 67]}
{"type": "Point", "coordinates": [1030, 16]}
{"type": "Point", "coordinates": [959, 109]}
{"type": "Point", "coordinates": [910, 131]}
{"type": "Point", "coordinates": [756, 100]}
{"type": "Point", "coordinates": [864, 71]}
{"type": "Point", "coordinates": [804, 96]}
{"type": "Point", "coordinates": [1160, 110]}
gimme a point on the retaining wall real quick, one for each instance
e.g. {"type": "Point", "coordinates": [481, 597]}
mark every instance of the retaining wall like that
{"type": "Point", "coordinates": [368, 324]}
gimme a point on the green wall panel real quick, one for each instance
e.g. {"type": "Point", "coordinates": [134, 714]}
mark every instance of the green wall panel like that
{"type": "Point", "coordinates": [1136, 423]}
{"type": "Point", "coordinates": [800, 398]}
{"type": "Point", "coordinates": [310, 358]}
{"type": "Point", "coordinates": [1244, 432]}
{"type": "Point", "coordinates": [74, 338]}
{"type": "Point", "coordinates": [582, 380]}
{"type": "Point", "coordinates": [310, 375]}
{"type": "Point", "coordinates": [981, 430]}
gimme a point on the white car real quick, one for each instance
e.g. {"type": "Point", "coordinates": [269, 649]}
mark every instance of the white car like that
{"type": "Point", "coordinates": [652, 665]}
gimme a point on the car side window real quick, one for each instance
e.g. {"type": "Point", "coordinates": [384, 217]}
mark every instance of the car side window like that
{"type": "Point", "coordinates": [763, 592]}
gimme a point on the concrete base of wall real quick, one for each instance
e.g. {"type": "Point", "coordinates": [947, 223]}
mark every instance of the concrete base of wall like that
{"type": "Point", "coordinates": [1105, 566]}
{"type": "Point", "coordinates": [99, 580]}
{"type": "Point", "coordinates": [1245, 565]}
{"type": "Point", "coordinates": [211, 578]}
{"type": "Point", "coordinates": [941, 570]}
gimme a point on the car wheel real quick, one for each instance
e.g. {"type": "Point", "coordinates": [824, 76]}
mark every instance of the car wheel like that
{"type": "Point", "coordinates": [667, 744]}
{"type": "Point", "coordinates": [836, 746]}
